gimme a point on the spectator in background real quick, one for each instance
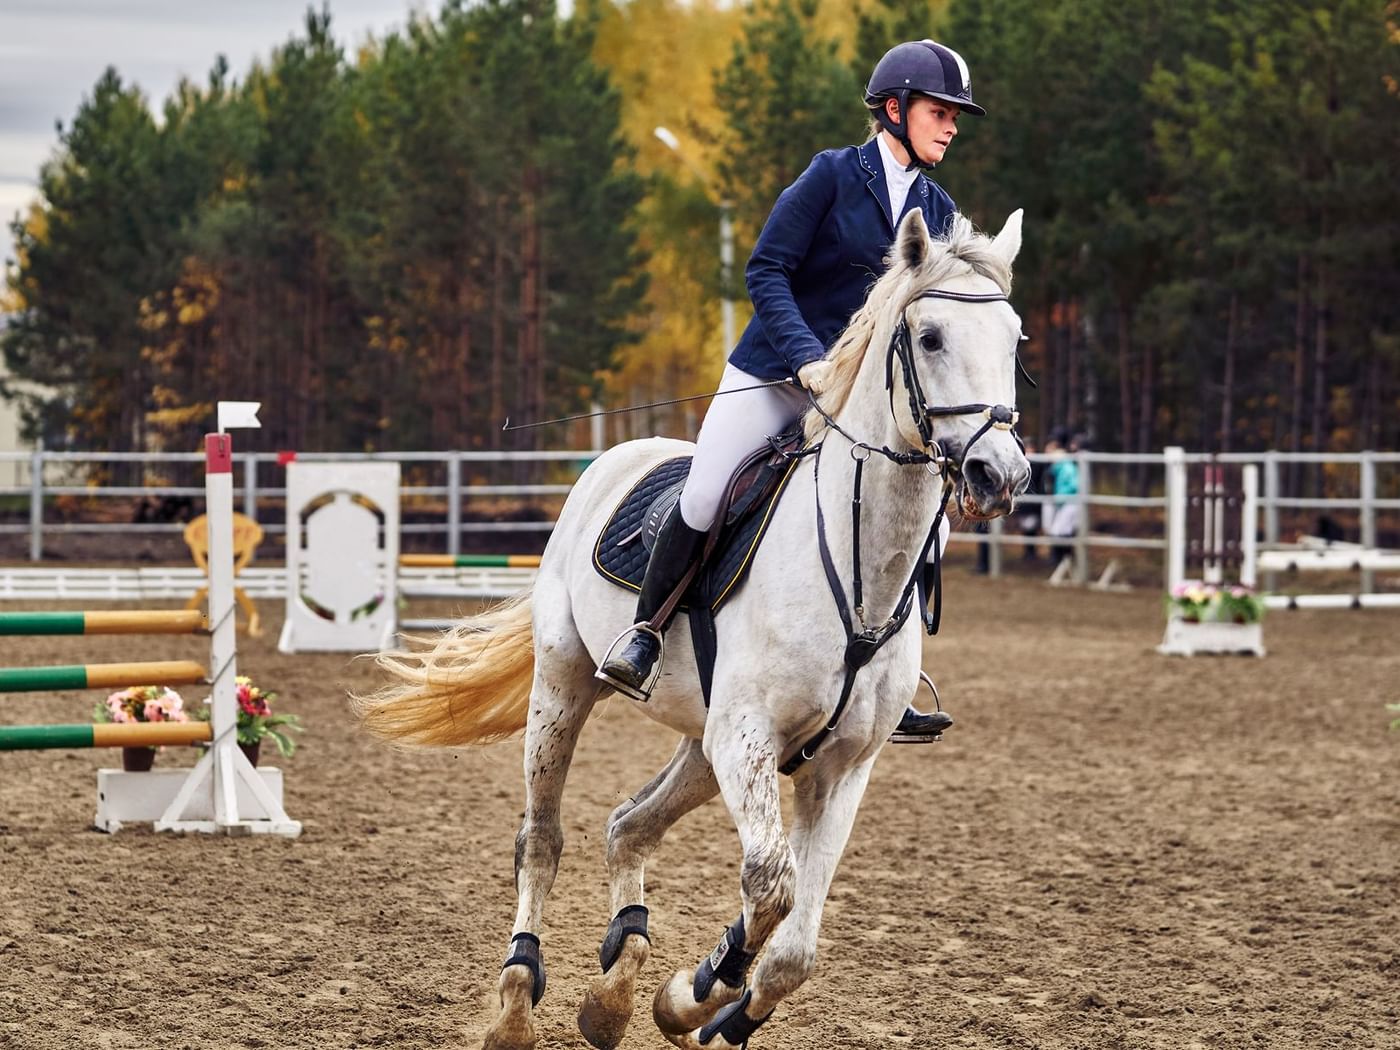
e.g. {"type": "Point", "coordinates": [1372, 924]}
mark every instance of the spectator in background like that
{"type": "Point", "coordinates": [1063, 475]}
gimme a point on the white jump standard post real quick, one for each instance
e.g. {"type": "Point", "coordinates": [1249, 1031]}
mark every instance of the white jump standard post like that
{"type": "Point", "coordinates": [223, 792]}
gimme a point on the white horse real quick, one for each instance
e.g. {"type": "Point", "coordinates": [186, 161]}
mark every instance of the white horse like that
{"type": "Point", "coordinates": [941, 307]}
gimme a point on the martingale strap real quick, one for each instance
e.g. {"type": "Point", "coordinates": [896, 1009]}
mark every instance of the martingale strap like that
{"type": "Point", "coordinates": [861, 646]}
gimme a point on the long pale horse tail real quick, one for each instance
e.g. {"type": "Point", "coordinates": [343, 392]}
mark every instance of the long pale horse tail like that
{"type": "Point", "coordinates": [472, 686]}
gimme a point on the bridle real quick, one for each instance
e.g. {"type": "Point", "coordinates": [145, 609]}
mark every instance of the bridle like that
{"type": "Point", "coordinates": [863, 644]}
{"type": "Point", "coordinates": [901, 349]}
{"type": "Point", "coordinates": [999, 417]}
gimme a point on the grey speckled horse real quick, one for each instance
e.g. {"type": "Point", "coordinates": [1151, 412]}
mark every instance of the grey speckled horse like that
{"type": "Point", "coordinates": [920, 413]}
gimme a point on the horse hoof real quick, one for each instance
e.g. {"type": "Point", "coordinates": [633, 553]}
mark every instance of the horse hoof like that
{"type": "Point", "coordinates": [513, 1029]}
{"type": "Point", "coordinates": [509, 1035]}
{"type": "Point", "coordinates": [676, 1012]}
{"type": "Point", "coordinates": [607, 1005]}
{"type": "Point", "coordinates": [691, 1041]}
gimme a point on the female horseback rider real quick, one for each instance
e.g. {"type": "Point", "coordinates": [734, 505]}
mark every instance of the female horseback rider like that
{"type": "Point", "coordinates": [822, 247]}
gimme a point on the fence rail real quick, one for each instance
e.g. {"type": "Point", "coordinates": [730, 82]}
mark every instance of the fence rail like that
{"type": "Point", "coordinates": [454, 496]}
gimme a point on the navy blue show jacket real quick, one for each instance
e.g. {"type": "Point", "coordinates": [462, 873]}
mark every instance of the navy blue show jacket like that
{"type": "Point", "coordinates": [823, 246]}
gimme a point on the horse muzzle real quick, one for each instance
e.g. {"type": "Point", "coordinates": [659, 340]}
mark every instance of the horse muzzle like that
{"type": "Point", "coordinates": [990, 489]}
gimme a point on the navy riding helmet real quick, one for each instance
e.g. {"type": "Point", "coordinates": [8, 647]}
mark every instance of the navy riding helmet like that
{"type": "Point", "coordinates": [919, 67]}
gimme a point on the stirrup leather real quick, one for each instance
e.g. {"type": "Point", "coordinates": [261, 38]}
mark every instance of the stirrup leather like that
{"type": "Point", "coordinates": [640, 693]}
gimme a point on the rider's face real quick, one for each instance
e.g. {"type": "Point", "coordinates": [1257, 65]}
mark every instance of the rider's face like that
{"type": "Point", "coordinates": [933, 124]}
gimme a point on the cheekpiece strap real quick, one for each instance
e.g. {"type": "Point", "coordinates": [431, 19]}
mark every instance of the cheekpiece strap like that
{"type": "Point", "coordinates": [728, 963]}
{"type": "Point", "coordinates": [525, 951]}
{"type": "Point", "coordinates": [631, 919]}
{"type": "Point", "coordinates": [734, 1023]}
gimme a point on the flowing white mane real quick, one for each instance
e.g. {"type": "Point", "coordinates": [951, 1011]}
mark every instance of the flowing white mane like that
{"type": "Point", "coordinates": [962, 251]}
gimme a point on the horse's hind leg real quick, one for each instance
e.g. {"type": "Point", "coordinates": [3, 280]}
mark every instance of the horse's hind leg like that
{"type": "Point", "coordinates": [745, 762]}
{"type": "Point", "coordinates": [634, 830]}
{"type": "Point", "coordinates": [563, 694]}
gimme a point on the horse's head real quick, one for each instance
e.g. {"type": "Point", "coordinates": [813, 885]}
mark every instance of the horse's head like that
{"type": "Point", "coordinates": [952, 357]}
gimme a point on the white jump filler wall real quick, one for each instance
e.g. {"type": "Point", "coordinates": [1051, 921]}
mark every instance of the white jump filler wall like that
{"type": "Point", "coordinates": [342, 556]}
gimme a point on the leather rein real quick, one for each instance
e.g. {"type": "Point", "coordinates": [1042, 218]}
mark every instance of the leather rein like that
{"type": "Point", "coordinates": [863, 644]}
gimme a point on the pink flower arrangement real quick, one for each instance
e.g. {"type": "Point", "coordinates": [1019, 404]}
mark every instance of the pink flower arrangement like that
{"type": "Point", "coordinates": [1194, 600]}
{"type": "Point", "coordinates": [257, 720]}
{"type": "Point", "coordinates": [142, 703]}
{"type": "Point", "coordinates": [252, 701]}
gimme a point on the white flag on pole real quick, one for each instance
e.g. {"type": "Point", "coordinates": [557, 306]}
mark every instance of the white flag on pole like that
{"type": "Point", "coordinates": [242, 414]}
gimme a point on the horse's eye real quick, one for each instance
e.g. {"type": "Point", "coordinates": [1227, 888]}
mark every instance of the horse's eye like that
{"type": "Point", "coordinates": [931, 340]}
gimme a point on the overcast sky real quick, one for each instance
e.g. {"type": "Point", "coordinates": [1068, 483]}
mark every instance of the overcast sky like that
{"type": "Point", "coordinates": [53, 51]}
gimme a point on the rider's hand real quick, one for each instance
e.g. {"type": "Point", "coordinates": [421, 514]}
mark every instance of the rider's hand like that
{"type": "Point", "coordinates": [815, 376]}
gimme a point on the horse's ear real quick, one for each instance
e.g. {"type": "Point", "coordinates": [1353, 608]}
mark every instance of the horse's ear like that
{"type": "Point", "coordinates": [1008, 242]}
{"type": "Point", "coordinates": [912, 240]}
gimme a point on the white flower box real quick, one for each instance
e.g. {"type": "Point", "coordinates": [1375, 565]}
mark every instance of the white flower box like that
{"type": "Point", "coordinates": [1189, 637]}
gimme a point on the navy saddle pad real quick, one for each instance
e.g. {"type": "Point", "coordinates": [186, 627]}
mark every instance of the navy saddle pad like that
{"type": "Point", "coordinates": [623, 549]}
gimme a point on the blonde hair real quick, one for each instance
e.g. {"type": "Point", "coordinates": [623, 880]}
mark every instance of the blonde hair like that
{"type": "Point", "coordinates": [961, 251]}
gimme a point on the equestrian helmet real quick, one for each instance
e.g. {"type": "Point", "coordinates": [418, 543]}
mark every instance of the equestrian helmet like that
{"type": "Point", "coordinates": [920, 67]}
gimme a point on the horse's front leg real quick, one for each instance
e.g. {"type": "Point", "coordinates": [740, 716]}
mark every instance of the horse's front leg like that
{"type": "Point", "coordinates": [635, 829]}
{"type": "Point", "coordinates": [562, 697]}
{"type": "Point", "coordinates": [823, 815]}
{"type": "Point", "coordinates": [745, 761]}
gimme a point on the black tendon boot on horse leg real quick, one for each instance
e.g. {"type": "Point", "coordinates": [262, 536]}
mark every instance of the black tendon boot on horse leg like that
{"type": "Point", "coordinates": [677, 545]}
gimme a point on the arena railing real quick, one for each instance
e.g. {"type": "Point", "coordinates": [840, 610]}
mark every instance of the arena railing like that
{"type": "Point", "coordinates": [457, 496]}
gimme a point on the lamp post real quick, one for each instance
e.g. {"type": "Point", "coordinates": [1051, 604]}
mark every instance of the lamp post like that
{"type": "Point", "coordinates": [726, 238]}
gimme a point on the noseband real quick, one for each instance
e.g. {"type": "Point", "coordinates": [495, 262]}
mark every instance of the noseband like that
{"type": "Point", "coordinates": [999, 417]}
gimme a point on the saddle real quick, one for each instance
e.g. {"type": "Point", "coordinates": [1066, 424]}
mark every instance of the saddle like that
{"type": "Point", "coordinates": [752, 494]}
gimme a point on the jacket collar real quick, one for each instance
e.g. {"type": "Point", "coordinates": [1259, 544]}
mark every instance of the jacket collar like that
{"type": "Point", "coordinates": [873, 163]}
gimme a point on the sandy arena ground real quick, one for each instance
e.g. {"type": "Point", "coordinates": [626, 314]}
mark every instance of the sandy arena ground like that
{"type": "Point", "coordinates": [1110, 849]}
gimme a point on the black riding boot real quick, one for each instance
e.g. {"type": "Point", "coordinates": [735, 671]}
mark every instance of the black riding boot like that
{"type": "Point", "coordinates": [676, 546]}
{"type": "Point", "coordinates": [916, 727]}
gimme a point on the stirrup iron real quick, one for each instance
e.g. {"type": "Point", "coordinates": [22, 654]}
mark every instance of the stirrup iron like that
{"type": "Point", "coordinates": [922, 738]}
{"type": "Point", "coordinates": [642, 693]}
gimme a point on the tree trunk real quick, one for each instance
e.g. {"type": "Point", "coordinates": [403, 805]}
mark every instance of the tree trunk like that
{"type": "Point", "coordinates": [1227, 381]}
{"type": "Point", "coordinates": [1125, 377]}
{"type": "Point", "coordinates": [1319, 399]}
{"type": "Point", "coordinates": [529, 343]}
{"type": "Point", "coordinates": [1300, 353]}
{"type": "Point", "coordinates": [498, 314]}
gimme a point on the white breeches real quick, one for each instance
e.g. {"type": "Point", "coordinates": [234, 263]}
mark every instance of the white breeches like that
{"type": "Point", "coordinates": [734, 426]}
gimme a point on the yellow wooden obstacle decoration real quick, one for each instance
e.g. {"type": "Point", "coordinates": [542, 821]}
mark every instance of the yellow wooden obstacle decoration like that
{"type": "Point", "coordinates": [247, 534]}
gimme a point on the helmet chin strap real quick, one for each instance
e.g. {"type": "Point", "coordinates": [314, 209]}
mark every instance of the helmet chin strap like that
{"type": "Point", "coordinates": [900, 130]}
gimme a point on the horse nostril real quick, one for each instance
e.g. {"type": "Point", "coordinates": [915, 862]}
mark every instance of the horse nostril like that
{"type": "Point", "coordinates": [1023, 482]}
{"type": "Point", "coordinates": [982, 476]}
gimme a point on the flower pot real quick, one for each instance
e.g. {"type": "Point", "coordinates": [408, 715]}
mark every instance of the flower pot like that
{"type": "Point", "coordinates": [250, 751]}
{"type": "Point", "coordinates": [138, 759]}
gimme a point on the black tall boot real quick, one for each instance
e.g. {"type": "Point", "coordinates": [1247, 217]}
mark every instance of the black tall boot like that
{"type": "Point", "coordinates": [677, 545]}
{"type": "Point", "coordinates": [916, 727]}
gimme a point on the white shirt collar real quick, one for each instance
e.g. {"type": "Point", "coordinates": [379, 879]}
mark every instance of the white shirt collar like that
{"type": "Point", "coordinates": [897, 180]}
